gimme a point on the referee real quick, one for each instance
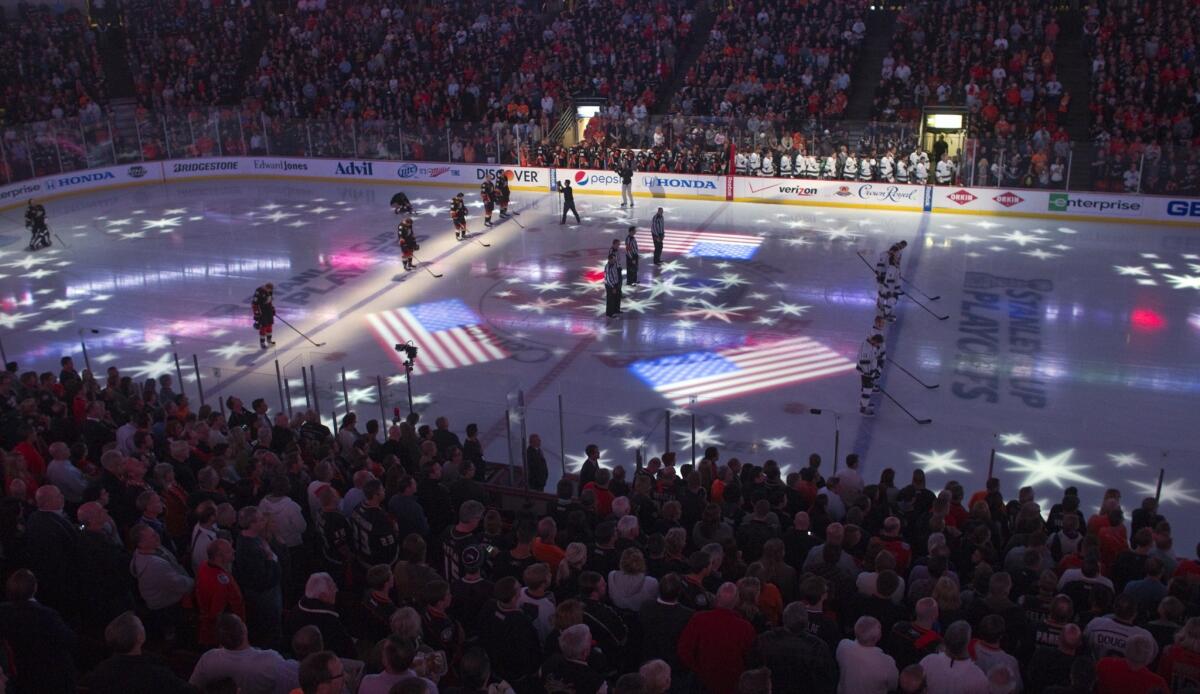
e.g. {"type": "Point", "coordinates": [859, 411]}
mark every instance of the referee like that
{"type": "Point", "coordinates": [612, 286]}
{"type": "Point", "coordinates": [657, 233]}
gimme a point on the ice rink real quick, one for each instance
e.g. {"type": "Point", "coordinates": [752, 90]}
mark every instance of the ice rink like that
{"type": "Point", "coordinates": [1071, 350]}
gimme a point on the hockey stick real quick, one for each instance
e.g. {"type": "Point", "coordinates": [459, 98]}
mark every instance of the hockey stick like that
{"type": "Point", "coordinates": [914, 377]}
{"type": "Point", "coordinates": [423, 265]}
{"type": "Point", "coordinates": [929, 310]}
{"type": "Point", "coordinates": [306, 337]}
{"type": "Point", "coordinates": [865, 261]}
{"type": "Point", "coordinates": [481, 243]}
{"type": "Point", "coordinates": [910, 414]}
{"type": "Point", "coordinates": [64, 243]}
{"type": "Point", "coordinates": [910, 283]}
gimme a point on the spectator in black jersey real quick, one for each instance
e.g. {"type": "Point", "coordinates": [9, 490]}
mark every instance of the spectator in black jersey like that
{"type": "Point", "coordinates": [798, 661]}
{"type": "Point", "coordinates": [568, 670]}
{"type": "Point", "coordinates": [377, 605]}
{"type": "Point", "coordinates": [318, 608]}
{"type": "Point", "coordinates": [455, 539]}
{"type": "Point", "coordinates": [514, 561]}
{"type": "Point", "coordinates": [911, 640]}
{"type": "Point", "coordinates": [507, 633]}
{"type": "Point", "coordinates": [337, 553]}
{"type": "Point", "coordinates": [471, 592]}
{"type": "Point", "coordinates": [375, 540]}
{"type": "Point", "coordinates": [440, 631]}
{"type": "Point", "coordinates": [608, 628]}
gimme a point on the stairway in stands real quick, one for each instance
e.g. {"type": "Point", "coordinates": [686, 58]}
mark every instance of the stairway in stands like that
{"type": "Point", "coordinates": [686, 56]}
{"type": "Point", "coordinates": [881, 24]}
{"type": "Point", "coordinates": [1074, 71]}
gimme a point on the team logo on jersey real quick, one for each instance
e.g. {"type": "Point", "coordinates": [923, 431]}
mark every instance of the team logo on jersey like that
{"type": "Point", "coordinates": [843, 191]}
{"type": "Point", "coordinates": [1008, 199]}
{"type": "Point", "coordinates": [962, 197]}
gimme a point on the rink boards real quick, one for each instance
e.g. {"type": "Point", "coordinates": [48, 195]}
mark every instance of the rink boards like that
{"type": "Point", "coordinates": [465, 178]}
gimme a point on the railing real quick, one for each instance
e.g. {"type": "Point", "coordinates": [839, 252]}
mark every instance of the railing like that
{"type": "Point", "coordinates": [674, 142]}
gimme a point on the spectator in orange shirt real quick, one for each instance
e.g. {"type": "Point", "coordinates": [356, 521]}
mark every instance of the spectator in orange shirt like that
{"type": "Point", "coordinates": [544, 549]}
{"type": "Point", "coordinates": [1114, 539]}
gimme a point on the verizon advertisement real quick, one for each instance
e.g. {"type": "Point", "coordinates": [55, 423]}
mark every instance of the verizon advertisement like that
{"type": "Point", "coordinates": [833, 193]}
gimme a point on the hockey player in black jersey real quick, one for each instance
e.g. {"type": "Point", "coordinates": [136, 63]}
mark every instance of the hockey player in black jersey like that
{"type": "Point", "coordinates": [504, 193]}
{"type": "Point", "coordinates": [400, 204]}
{"type": "Point", "coordinates": [487, 191]}
{"type": "Point", "coordinates": [408, 241]}
{"type": "Point", "coordinates": [35, 222]}
{"type": "Point", "coordinates": [263, 306]}
{"type": "Point", "coordinates": [458, 213]}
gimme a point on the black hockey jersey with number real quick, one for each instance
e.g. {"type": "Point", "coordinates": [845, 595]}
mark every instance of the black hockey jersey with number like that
{"type": "Point", "coordinates": [263, 305]}
{"type": "Point", "coordinates": [458, 211]}
{"type": "Point", "coordinates": [502, 188]}
{"type": "Point", "coordinates": [487, 191]}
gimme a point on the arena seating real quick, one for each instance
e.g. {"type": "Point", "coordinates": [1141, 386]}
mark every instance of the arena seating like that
{"type": "Point", "coordinates": [51, 68]}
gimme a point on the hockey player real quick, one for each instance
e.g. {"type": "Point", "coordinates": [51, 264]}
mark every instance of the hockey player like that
{"type": "Point", "coordinates": [768, 163]}
{"type": "Point", "coordinates": [263, 306]}
{"type": "Point", "coordinates": [755, 163]}
{"type": "Point", "coordinates": [458, 213]}
{"type": "Point", "coordinates": [888, 285]}
{"type": "Point", "coordinates": [504, 194]}
{"type": "Point", "coordinates": [812, 167]}
{"type": "Point", "coordinates": [829, 169]}
{"type": "Point", "coordinates": [866, 168]}
{"type": "Point", "coordinates": [400, 204]}
{"type": "Point", "coordinates": [35, 222]}
{"type": "Point", "coordinates": [901, 171]}
{"type": "Point", "coordinates": [785, 164]}
{"type": "Point", "coordinates": [487, 192]}
{"type": "Point", "coordinates": [739, 163]}
{"type": "Point", "coordinates": [887, 167]}
{"type": "Point", "coordinates": [870, 368]}
{"type": "Point", "coordinates": [631, 257]}
{"type": "Point", "coordinates": [850, 167]}
{"type": "Point", "coordinates": [920, 172]}
{"type": "Point", "coordinates": [408, 241]}
{"type": "Point", "coordinates": [944, 173]}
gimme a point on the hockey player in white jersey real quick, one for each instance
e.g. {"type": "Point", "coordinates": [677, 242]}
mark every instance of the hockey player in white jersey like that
{"type": "Point", "coordinates": [920, 172]}
{"type": "Point", "coordinates": [812, 167]}
{"type": "Point", "coordinates": [944, 173]}
{"type": "Point", "coordinates": [755, 163]}
{"type": "Point", "coordinates": [785, 164]}
{"type": "Point", "coordinates": [866, 168]}
{"type": "Point", "coordinates": [739, 163]}
{"type": "Point", "coordinates": [850, 167]}
{"type": "Point", "coordinates": [768, 163]}
{"type": "Point", "coordinates": [829, 169]}
{"type": "Point", "coordinates": [870, 367]}
{"type": "Point", "coordinates": [887, 167]}
{"type": "Point", "coordinates": [901, 171]}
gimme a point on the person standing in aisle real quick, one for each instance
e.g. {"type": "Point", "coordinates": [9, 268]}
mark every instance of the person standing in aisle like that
{"type": "Point", "coordinates": [625, 171]}
{"type": "Point", "coordinates": [408, 242]}
{"type": "Point", "coordinates": [870, 368]}
{"type": "Point", "coordinates": [658, 233]}
{"type": "Point", "coordinates": [612, 286]}
{"type": "Point", "coordinates": [568, 202]}
{"type": "Point", "coordinates": [631, 257]}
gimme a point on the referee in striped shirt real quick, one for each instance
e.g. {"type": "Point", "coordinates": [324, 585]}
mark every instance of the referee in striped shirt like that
{"type": "Point", "coordinates": [657, 233]}
{"type": "Point", "coordinates": [612, 286]}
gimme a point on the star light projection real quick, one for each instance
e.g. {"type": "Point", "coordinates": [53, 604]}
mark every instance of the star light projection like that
{"type": "Point", "coordinates": [1053, 468]}
{"type": "Point", "coordinates": [1182, 273]}
{"type": "Point", "coordinates": [938, 461]}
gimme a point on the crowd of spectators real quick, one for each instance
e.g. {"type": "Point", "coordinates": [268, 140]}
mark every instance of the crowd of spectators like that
{"type": "Point", "coordinates": [460, 78]}
{"type": "Point", "coordinates": [51, 68]}
{"type": "Point", "coordinates": [149, 547]}
{"type": "Point", "coordinates": [776, 60]}
{"type": "Point", "coordinates": [1145, 95]}
{"type": "Point", "coordinates": [999, 60]}
{"type": "Point", "coordinates": [190, 52]}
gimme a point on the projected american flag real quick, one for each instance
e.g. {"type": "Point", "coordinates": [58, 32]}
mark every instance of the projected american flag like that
{"type": "Point", "coordinates": [448, 334]}
{"type": "Point", "coordinates": [729, 373]}
{"type": "Point", "coordinates": [709, 244]}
